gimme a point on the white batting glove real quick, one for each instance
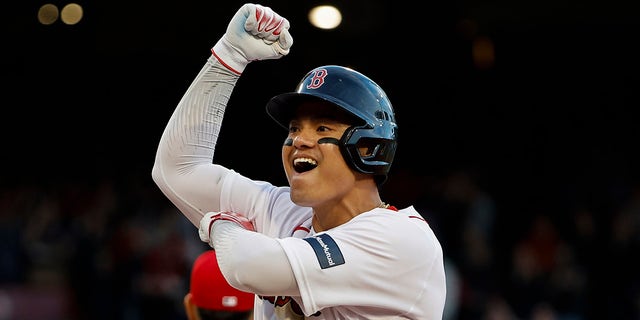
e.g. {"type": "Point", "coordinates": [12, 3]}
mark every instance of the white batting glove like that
{"type": "Point", "coordinates": [204, 231]}
{"type": "Point", "coordinates": [254, 33]}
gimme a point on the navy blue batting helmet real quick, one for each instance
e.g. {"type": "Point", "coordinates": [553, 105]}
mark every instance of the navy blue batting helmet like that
{"type": "Point", "coordinates": [376, 128]}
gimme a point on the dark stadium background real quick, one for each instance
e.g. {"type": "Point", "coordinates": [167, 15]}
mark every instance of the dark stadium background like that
{"type": "Point", "coordinates": [546, 134]}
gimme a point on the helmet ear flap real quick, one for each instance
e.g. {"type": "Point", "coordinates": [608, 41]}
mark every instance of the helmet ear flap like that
{"type": "Point", "coordinates": [366, 152]}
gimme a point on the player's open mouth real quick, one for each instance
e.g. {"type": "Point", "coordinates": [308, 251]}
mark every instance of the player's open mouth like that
{"type": "Point", "coordinates": [301, 165]}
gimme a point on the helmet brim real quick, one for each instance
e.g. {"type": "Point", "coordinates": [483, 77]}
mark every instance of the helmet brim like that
{"type": "Point", "coordinates": [282, 107]}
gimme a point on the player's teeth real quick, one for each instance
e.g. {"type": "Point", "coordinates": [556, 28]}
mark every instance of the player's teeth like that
{"type": "Point", "coordinates": [307, 160]}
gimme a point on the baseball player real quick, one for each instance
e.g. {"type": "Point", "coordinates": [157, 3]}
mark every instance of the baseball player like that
{"type": "Point", "coordinates": [325, 246]}
{"type": "Point", "coordinates": [211, 297]}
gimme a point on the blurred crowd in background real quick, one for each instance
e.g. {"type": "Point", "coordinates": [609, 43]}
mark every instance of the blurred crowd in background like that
{"type": "Point", "coordinates": [526, 169]}
{"type": "Point", "coordinates": [115, 248]}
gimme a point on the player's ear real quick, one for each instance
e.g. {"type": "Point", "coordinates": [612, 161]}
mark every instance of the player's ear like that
{"type": "Point", "coordinates": [190, 308]}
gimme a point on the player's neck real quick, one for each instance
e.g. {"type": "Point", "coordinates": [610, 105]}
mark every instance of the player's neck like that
{"type": "Point", "coordinates": [333, 214]}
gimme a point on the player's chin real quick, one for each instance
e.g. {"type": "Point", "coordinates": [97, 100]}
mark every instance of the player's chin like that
{"type": "Point", "coordinates": [303, 180]}
{"type": "Point", "coordinates": [298, 180]}
{"type": "Point", "coordinates": [302, 196]}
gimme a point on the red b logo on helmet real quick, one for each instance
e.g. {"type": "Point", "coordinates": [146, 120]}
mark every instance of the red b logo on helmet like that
{"type": "Point", "coordinates": [318, 79]}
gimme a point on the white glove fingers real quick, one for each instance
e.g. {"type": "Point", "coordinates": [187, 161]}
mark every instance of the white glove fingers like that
{"type": "Point", "coordinates": [255, 18]}
{"type": "Point", "coordinates": [284, 42]}
{"type": "Point", "coordinates": [271, 25]}
{"type": "Point", "coordinates": [270, 30]}
{"type": "Point", "coordinates": [265, 18]}
{"type": "Point", "coordinates": [266, 24]}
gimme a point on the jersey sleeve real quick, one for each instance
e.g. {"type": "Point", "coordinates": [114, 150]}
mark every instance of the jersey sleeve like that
{"type": "Point", "coordinates": [380, 258]}
{"type": "Point", "coordinates": [268, 206]}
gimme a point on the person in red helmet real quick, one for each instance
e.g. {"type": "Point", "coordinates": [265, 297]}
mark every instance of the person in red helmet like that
{"type": "Point", "coordinates": [211, 297]}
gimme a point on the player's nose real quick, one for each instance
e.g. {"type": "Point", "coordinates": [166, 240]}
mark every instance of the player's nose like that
{"type": "Point", "coordinates": [304, 140]}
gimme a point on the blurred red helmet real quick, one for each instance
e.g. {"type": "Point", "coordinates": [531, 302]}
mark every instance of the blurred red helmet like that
{"type": "Point", "coordinates": [210, 290]}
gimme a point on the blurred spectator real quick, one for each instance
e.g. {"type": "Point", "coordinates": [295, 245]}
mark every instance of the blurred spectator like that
{"type": "Point", "coordinates": [210, 297]}
{"type": "Point", "coordinates": [623, 265]}
{"type": "Point", "coordinates": [463, 215]}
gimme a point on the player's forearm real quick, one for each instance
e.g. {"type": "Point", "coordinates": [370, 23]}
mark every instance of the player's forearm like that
{"type": "Point", "coordinates": [190, 137]}
{"type": "Point", "coordinates": [241, 252]}
{"type": "Point", "coordinates": [183, 167]}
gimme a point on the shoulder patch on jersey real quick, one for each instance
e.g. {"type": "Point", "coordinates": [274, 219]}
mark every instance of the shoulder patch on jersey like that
{"type": "Point", "coordinates": [326, 249]}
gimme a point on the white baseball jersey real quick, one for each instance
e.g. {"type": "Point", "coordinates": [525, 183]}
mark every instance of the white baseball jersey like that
{"type": "Point", "coordinates": [382, 264]}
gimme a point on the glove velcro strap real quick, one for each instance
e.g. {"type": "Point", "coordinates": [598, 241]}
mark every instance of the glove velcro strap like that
{"type": "Point", "coordinates": [234, 217]}
{"type": "Point", "coordinates": [230, 57]}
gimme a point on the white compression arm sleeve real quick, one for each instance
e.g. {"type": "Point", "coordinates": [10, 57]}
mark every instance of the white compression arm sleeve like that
{"type": "Point", "coordinates": [251, 261]}
{"type": "Point", "coordinates": [183, 167]}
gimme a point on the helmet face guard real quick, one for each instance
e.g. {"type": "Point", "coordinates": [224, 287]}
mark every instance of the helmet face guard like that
{"type": "Point", "coordinates": [369, 151]}
{"type": "Point", "coordinates": [368, 146]}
